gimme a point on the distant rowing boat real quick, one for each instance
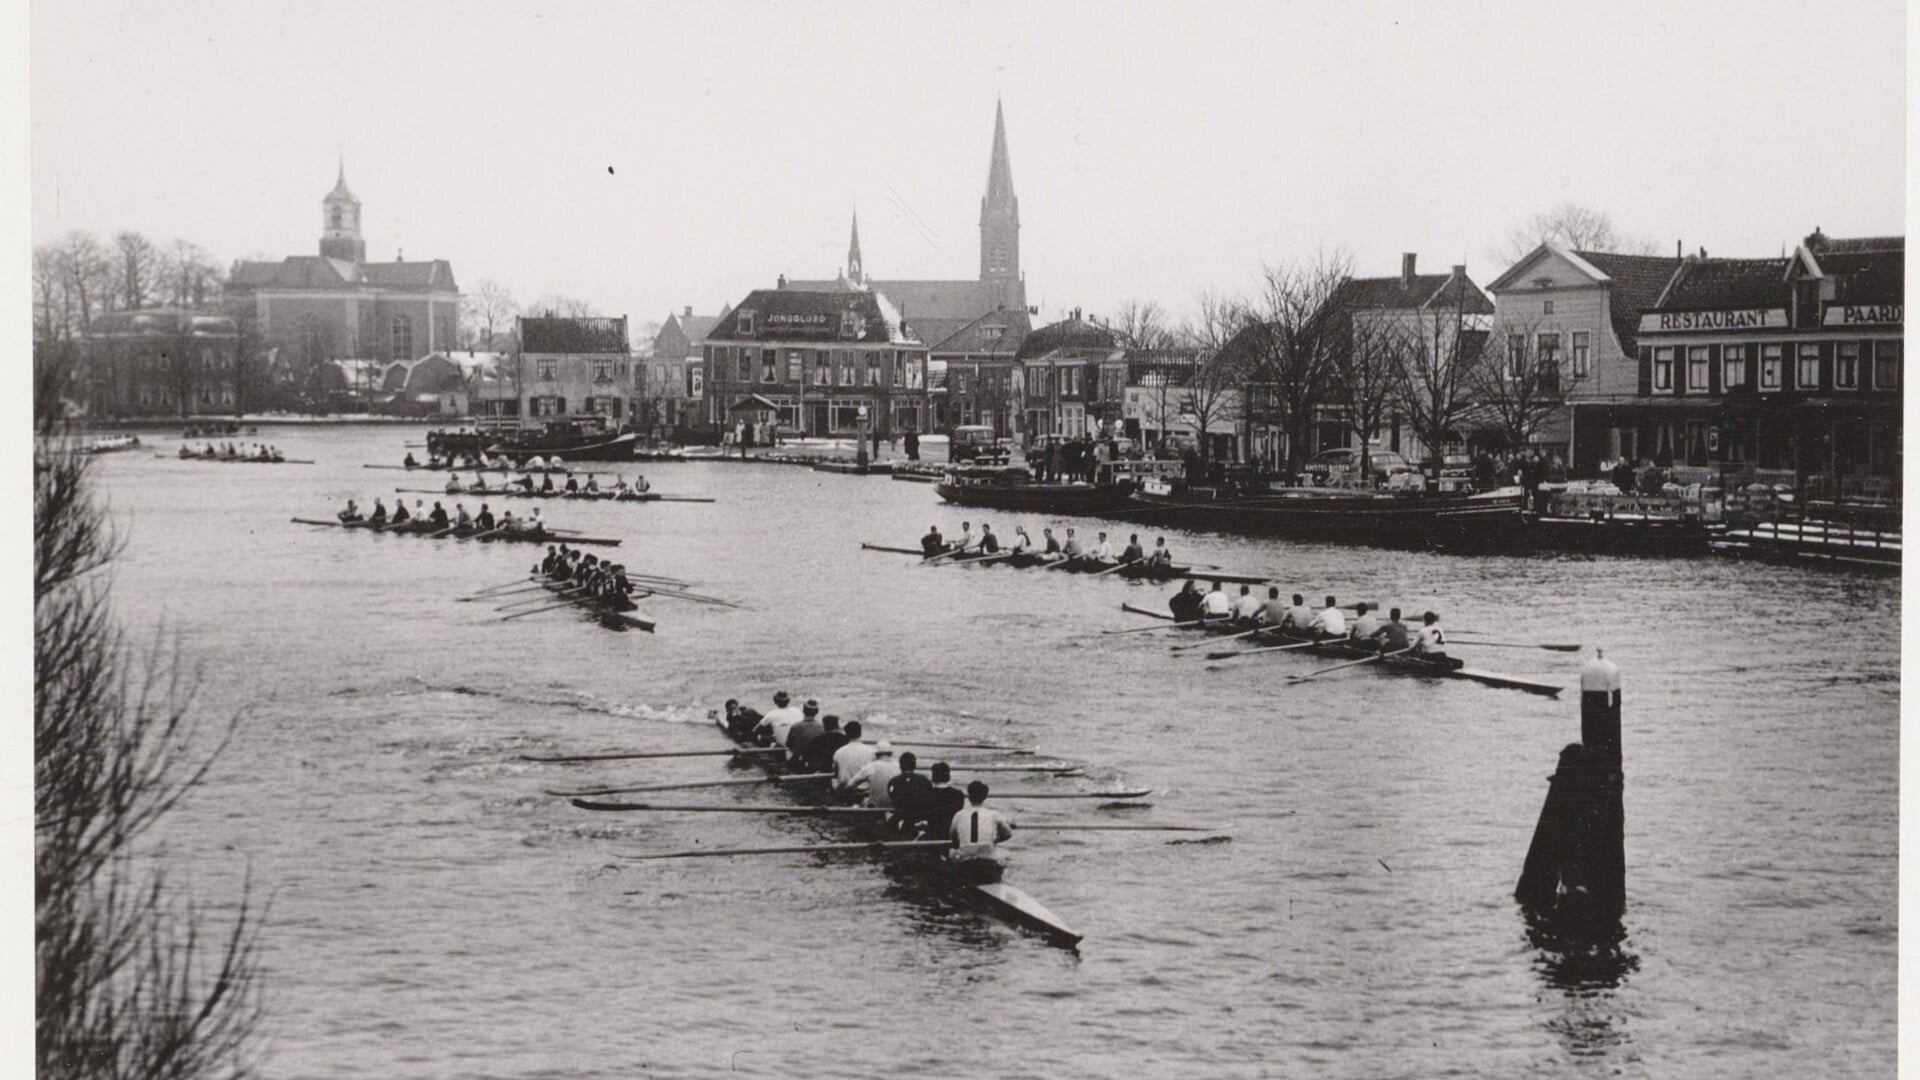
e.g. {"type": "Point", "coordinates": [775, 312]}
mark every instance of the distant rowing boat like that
{"type": "Point", "coordinates": [1344, 648]}
{"type": "Point", "coordinates": [1135, 571]}
{"type": "Point", "coordinates": [236, 459]}
{"type": "Point", "coordinates": [605, 611]}
{"type": "Point", "coordinates": [522, 493]}
{"type": "Point", "coordinates": [416, 527]}
{"type": "Point", "coordinates": [999, 898]}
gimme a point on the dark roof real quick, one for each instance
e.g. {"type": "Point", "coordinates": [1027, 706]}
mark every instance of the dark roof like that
{"type": "Point", "coordinates": [1072, 332]}
{"type": "Point", "coordinates": [320, 272]}
{"type": "Point", "coordinates": [1866, 277]}
{"type": "Point", "coordinates": [1014, 326]}
{"type": "Point", "coordinates": [1718, 284]}
{"type": "Point", "coordinates": [435, 273]}
{"type": "Point", "coordinates": [1638, 281]}
{"type": "Point", "coordinates": [879, 321]}
{"type": "Point", "coordinates": [556, 334]}
{"type": "Point", "coordinates": [920, 301]}
{"type": "Point", "coordinates": [1820, 244]}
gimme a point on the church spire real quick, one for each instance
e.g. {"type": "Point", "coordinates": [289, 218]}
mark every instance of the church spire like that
{"type": "Point", "coordinates": [340, 222]}
{"type": "Point", "coordinates": [856, 272]}
{"type": "Point", "coordinates": [1000, 223]}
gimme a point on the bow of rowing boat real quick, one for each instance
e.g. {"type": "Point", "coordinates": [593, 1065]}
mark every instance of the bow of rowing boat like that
{"type": "Point", "coordinates": [1022, 910]}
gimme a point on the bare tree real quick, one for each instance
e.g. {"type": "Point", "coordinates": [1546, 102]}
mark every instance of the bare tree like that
{"type": "Point", "coordinates": [1439, 356]}
{"type": "Point", "coordinates": [126, 983]}
{"type": "Point", "coordinates": [1288, 342]}
{"type": "Point", "coordinates": [1143, 324]}
{"type": "Point", "coordinates": [1364, 375]}
{"type": "Point", "coordinates": [189, 276]}
{"type": "Point", "coordinates": [1520, 381]}
{"type": "Point", "coordinates": [87, 274]}
{"type": "Point", "coordinates": [1576, 228]}
{"type": "Point", "coordinates": [52, 318]}
{"type": "Point", "coordinates": [1213, 393]}
{"type": "Point", "coordinates": [489, 307]}
{"type": "Point", "coordinates": [563, 306]}
{"type": "Point", "coordinates": [137, 263]}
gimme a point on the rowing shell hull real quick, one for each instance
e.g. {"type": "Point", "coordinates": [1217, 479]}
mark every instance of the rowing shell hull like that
{"type": "Point", "coordinates": [604, 613]}
{"type": "Point", "coordinates": [1134, 572]}
{"type": "Point", "coordinates": [1341, 650]}
{"type": "Point", "coordinates": [1009, 903]}
{"type": "Point", "coordinates": [454, 534]}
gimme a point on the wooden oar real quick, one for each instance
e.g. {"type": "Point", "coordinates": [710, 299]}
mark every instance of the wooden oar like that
{"type": "Point", "coordinates": [1148, 612]}
{"type": "Point", "coordinates": [1110, 569]}
{"type": "Point", "coordinates": [1140, 794]}
{"type": "Point", "coordinates": [1161, 626]}
{"type": "Point", "coordinates": [504, 592]}
{"type": "Point", "coordinates": [894, 550]}
{"type": "Point", "coordinates": [796, 779]}
{"type": "Point", "coordinates": [875, 846]}
{"type": "Point", "coordinates": [950, 553]}
{"type": "Point", "coordinates": [1348, 664]}
{"type": "Point", "coordinates": [745, 808]}
{"type": "Point", "coordinates": [995, 557]}
{"type": "Point", "coordinates": [1016, 750]}
{"type": "Point", "coordinates": [622, 755]}
{"type": "Point", "coordinates": [441, 533]}
{"type": "Point", "coordinates": [1051, 770]}
{"type": "Point", "coordinates": [1216, 641]}
{"type": "Point", "coordinates": [1231, 653]}
{"type": "Point", "coordinates": [571, 592]}
{"type": "Point", "coordinates": [1518, 645]}
{"type": "Point", "coordinates": [1115, 828]}
{"type": "Point", "coordinates": [538, 610]}
{"type": "Point", "coordinates": [682, 498]}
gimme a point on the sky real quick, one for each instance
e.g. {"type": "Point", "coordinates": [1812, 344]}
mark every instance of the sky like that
{"type": "Point", "coordinates": [644, 157]}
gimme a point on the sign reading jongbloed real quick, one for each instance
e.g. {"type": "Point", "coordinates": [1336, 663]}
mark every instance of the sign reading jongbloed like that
{"type": "Point", "coordinates": [1864, 315]}
{"type": "Point", "coordinates": [811, 324]}
{"type": "Point", "coordinates": [1681, 321]}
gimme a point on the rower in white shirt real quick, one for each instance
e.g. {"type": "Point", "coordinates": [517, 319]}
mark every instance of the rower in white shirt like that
{"type": "Point", "coordinates": [967, 540]}
{"type": "Point", "coordinates": [1365, 623]}
{"type": "Point", "coordinates": [1215, 604]}
{"type": "Point", "coordinates": [849, 760]}
{"type": "Point", "coordinates": [1430, 642]}
{"type": "Point", "coordinates": [1021, 541]}
{"type": "Point", "coordinates": [1102, 552]}
{"type": "Point", "coordinates": [780, 720]}
{"type": "Point", "coordinates": [977, 833]}
{"type": "Point", "coordinates": [877, 774]}
{"type": "Point", "coordinates": [1331, 621]}
{"type": "Point", "coordinates": [1247, 608]}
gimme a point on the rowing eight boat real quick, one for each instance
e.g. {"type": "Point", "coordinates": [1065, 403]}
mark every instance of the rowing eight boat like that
{"type": "Point", "coordinates": [519, 493]}
{"type": "Point", "coordinates": [428, 529]}
{"type": "Point", "coordinates": [602, 609]}
{"type": "Point", "coordinates": [1347, 649]}
{"type": "Point", "coordinates": [1027, 560]}
{"type": "Point", "coordinates": [1001, 899]}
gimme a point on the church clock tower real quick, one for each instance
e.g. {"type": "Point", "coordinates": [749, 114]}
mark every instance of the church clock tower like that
{"type": "Point", "coordinates": [340, 223]}
{"type": "Point", "coordinates": [1000, 223]}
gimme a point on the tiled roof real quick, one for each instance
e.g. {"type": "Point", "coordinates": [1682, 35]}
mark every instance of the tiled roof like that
{"type": "Point", "coordinates": [1866, 277]}
{"type": "Point", "coordinates": [1718, 284]}
{"type": "Point", "coordinates": [321, 272]}
{"type": "Point", "coordinates": [1067, 333]}
{"type": "Point", "coordinates": [556, 334]}
{"type": "Point", "coordinates": [1638, 281]}
{"type": "Point", "coordinates": [433, 274]}
{"type": "Point", "coordinates": [881, 320]}
{"type": "Point", "coordinates": [1417, 291]}
{"type": "Point", "coordinates": [697, 327]}
{"type": "Point", "coordinates": [921, 301]}
{"type": "Point", "coordinates": [975, 336]}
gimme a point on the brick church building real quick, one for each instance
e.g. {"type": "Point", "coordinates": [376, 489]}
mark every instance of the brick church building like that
{"type": "Point", "coordinates": [338, 305]}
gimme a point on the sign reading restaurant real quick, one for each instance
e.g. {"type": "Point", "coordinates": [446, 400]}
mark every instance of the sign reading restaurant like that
{"type": "Point", "coordinates": [1864, 315]}
{"type": "Point", "coordinates": [1749, 319]}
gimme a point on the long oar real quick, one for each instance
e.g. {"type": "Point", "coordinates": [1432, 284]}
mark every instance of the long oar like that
{"type": "Point", "coordinates": [477, 597]}
{"type": "Point", "coordinates": [572, 593]}
{"type": "Point", "coordinates": [1348, 664]}
{"type": "Point", "coordinates": [1117, 828]}
{"type": "Point", "coordinates": [621, 755]}
{"type": "Point", "coordinates": [874, 846]}
{"type": "Point", "coordinates": [538, 610]}
{"type": "Point", "coordinates": [894, 550]}
{"type": "Point", "coordinates": [707, 808]}
{"type": "Point", "coordinates": [1229, 654]}
{"type": "Point", "coordinates": [1216, 641]}
{"type": "Point", "coordinates": [1140, 794]}
{"type": "Point", "coordinates": [1049, 770]}
{"type": "Point", "coordinates": [1017, 750]}
{"type": "Point", "coordinates": [1517, 645]}
{"type": "Point", "coordinates": [1161, 626]}
{"type": "Point", "coordinates": [650, 789]}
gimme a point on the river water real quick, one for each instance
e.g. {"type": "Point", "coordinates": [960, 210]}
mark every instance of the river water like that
{"type": "Point", "coordinates": [433, 913]}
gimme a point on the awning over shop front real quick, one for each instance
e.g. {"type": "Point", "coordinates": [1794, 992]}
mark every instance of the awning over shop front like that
{"type": "Point", "coordinates": [753, 403]}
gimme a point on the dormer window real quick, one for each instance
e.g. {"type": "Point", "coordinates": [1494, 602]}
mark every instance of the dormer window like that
{"type": "Point", "coordinates": [744, 322]}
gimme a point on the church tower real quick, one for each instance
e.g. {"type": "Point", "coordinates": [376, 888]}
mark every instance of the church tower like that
{"type": "Point", "coordinates": [340, 223]}
{"type": "Point", "coordinates": [856, 272]}
{"type": "Point", "coordinates": [1000, 223]}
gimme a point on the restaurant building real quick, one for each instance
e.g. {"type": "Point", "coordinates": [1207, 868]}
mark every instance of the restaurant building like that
{"type": "Point", "coordinates": [1790, 366]}
{"type": "Point", "coordinates": [816, 362]}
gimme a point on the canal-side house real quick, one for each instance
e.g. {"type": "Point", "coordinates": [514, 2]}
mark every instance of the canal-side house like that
{"type": "Point", "coordinates": [577, 369]}
{"type": "Point", "coordinates": [1787, 366]}
{"type": "Point", "coordinates": [670, 381]}
{"type": "Point", "coordinates": [158, 362]}
{"type": "Point", "coordinates": [1576, 316]}
{"type": "Point", "coordinates": [817, 362]}
{"type": "Point", "coordinates": [1056, 374]}
{"type": "Point", "coordinates": [980, 381]}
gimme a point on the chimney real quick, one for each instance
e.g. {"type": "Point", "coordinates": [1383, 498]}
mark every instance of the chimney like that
{"type": "Point", "coordinates": [783, 282]}
{"type": "Point", "coordinates": [689, 312]}
{"type": "Point", "coordinates": [1679, 250]}
{"type": "Point", "coordinates": [1459, 270]}
{"type": "Point", "coordinates": [1406, 267]}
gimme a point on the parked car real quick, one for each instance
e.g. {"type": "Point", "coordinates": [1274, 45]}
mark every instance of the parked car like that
{"type": "Point", "coordinates": [1343, 466]}
{"type": "Point", "coordinates": [971, 442]}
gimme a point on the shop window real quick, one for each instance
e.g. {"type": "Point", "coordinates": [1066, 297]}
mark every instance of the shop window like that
{"type": "Point", "coordinates": [1772, 361]}
{"type": "Point", "coordinates": [1582, 354]}
{"type": "Point", "coordinates": [1846, 366]}
{"type": "Point", "coordinates": [1807, 375]}
{"type": "Point", "coordinates": [1663, 369]}
{"type": "Point", "coordinates": [1697, 367]}
{"type": "Point", "coordinates": [1886, 365]}
{"type": "Point", "coordinates": [1733, 366]}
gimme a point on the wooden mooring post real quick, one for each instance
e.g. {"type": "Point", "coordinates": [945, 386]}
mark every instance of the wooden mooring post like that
{"type": "Point", "coordinates": [1576, 867]}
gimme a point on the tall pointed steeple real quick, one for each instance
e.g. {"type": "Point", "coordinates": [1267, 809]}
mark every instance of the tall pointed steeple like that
{"type": "Point", "coordinates": [340, 222]}
{"type": "Point", "coordinates": [856, 271]}
{"type": "Point", "coordinates": [1000, 222]}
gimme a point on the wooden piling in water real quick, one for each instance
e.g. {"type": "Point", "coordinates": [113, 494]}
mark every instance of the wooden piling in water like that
{"type": "Point", "coordinates": [1576, 865]}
